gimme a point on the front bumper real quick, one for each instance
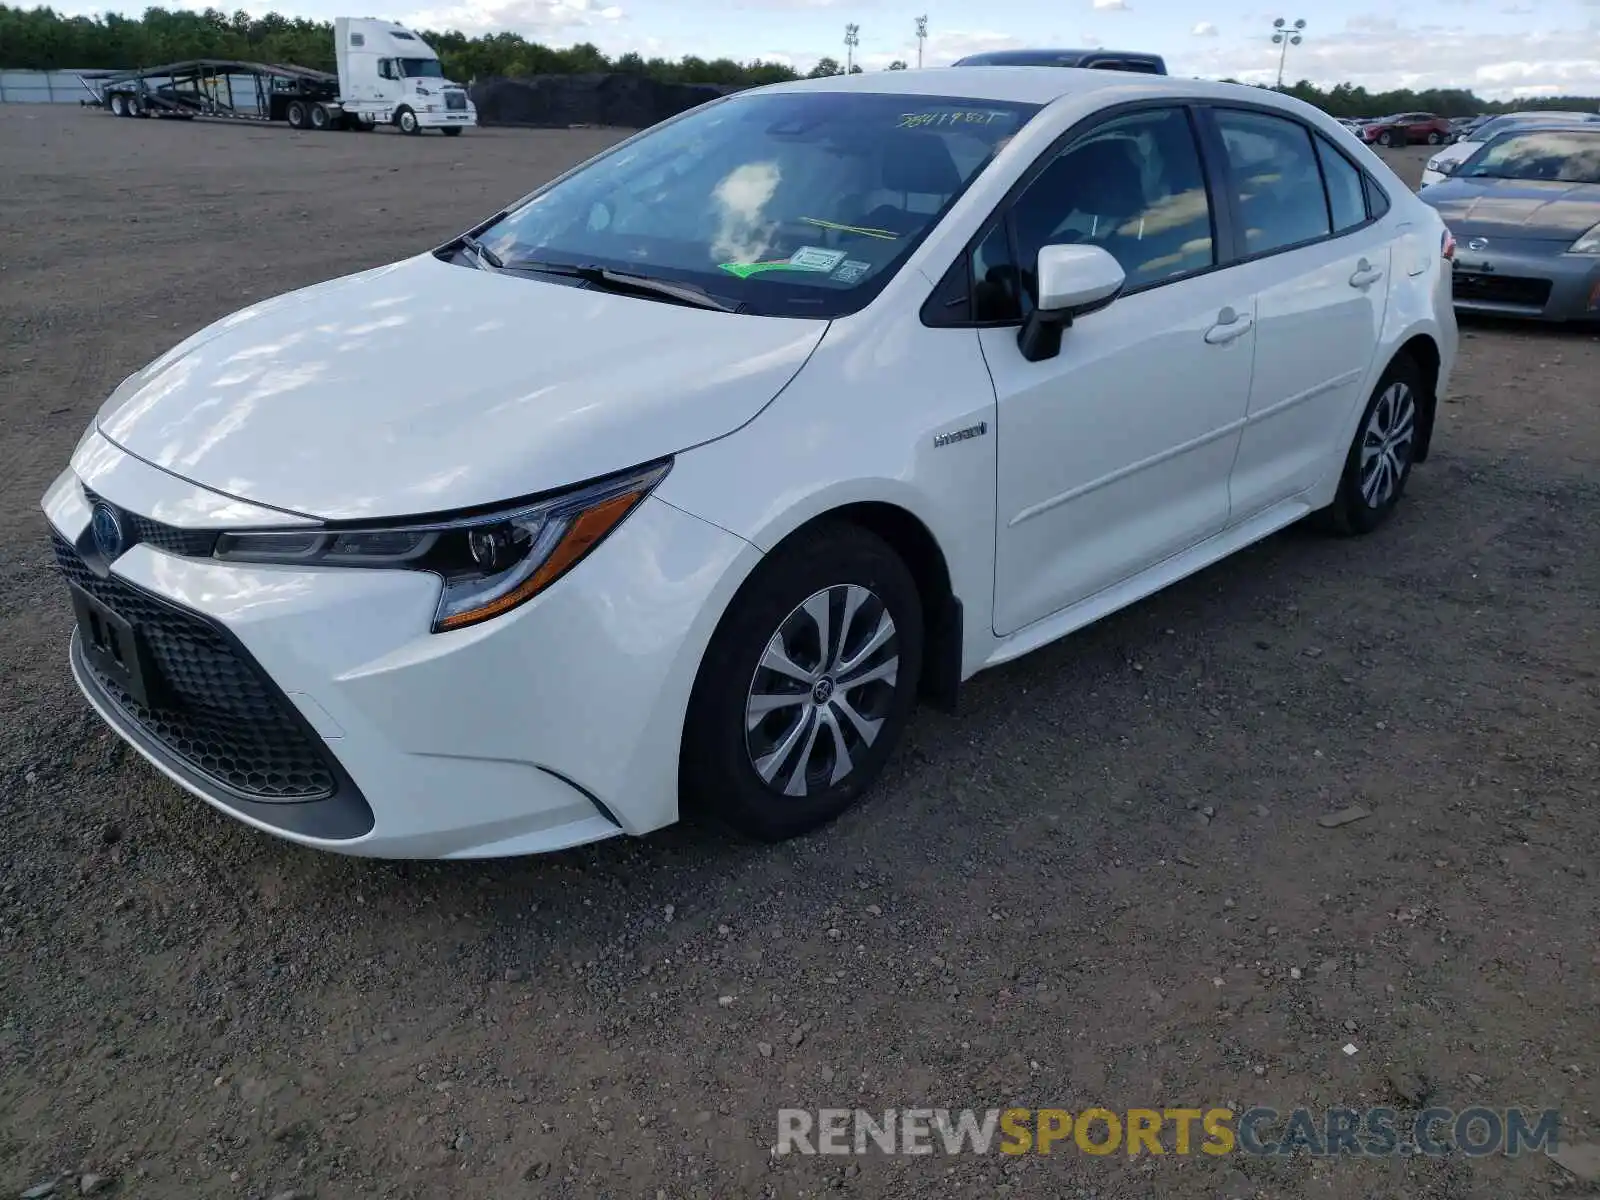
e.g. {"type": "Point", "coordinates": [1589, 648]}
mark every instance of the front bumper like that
{"type": "Point", "coordinates": [1535, 280]}
{"type": "Point", "coordinates": [554, 725]}
{"type": "Point", "coordinates": [446, 118]}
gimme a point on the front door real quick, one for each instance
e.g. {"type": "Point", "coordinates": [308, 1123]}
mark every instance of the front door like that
{"type": "Point", "coordinates": [1115, 454]}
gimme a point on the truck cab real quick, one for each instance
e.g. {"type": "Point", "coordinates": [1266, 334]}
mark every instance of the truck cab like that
{"type": "Point", "coordinates": [389, 75]}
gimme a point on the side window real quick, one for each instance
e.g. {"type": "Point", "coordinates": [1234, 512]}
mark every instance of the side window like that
{"type": "Point", "coordinates": [358, 39]}
{"type": "Point", "coordinates": [1345, 199]}
{"type": "Point", "coordinates": [1377, 198]}
{"type": "Point", "coordinates": [1133, 186]}
{"type": "Point", "coordinates": [386, 68]}
{"type": "Point", "coordinates": [1277, 186]}
{"type": "Point", "coordinates": [995, 290]}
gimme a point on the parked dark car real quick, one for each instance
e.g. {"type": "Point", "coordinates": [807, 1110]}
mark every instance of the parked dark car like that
{"type": "Point", "coordinates": [1104, 60]}
{"type": "Point", "coordinates": [1405, 129]}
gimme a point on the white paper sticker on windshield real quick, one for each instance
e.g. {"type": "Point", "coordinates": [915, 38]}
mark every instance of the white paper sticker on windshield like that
{"type": "Point", "coordinates": [851, 271]}
{"type": "Point", "coordinates": [815, 258]}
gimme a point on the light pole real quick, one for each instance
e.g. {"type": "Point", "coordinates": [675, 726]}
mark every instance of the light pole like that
{"type": "Point", "coordinates": [1285, 35]}
{"type": "Point", "coordinates": [852, 39]}
{"type": "Point", "coordinates": [922, 36]}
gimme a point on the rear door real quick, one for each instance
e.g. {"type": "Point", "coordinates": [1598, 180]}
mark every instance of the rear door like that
{"type": "Point", "coordinates": [1318, 262]}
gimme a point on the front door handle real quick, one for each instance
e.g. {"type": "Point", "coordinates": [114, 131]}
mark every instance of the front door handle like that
{"type": "Point", "coordinates": [1230, 327]}
{"type": "Point", "coordinates": [1366, 275]}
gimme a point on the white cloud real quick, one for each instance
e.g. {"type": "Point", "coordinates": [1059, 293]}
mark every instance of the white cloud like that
{"type": "Point", "coordinates": [1379, 54]}
{"type": "Point", "coordinates": [538, 20]}
{"type": "Point", "coordinates": [1204, 29]}
{"type": "Point", "coordinates": [1111, 5]}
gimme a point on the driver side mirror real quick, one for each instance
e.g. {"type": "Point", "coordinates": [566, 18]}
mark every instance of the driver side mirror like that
{"type": "Point", "coordinates": [1073, 282]}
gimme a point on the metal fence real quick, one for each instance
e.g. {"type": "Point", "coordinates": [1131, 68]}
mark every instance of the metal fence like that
{"type": "Point", "coordinates": [41, 87]}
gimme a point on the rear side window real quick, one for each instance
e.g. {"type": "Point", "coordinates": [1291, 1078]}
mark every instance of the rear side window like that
{"type": "Point", "coordinates": [1346, 203]}
{"type": "Point", "coordinates": [1275, 178]}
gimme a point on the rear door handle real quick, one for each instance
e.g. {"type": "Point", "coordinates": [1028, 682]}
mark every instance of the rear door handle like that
{"type": "Point", "coordinates": [1366, 275]}
{"type": "Point", "coordinates": [1230, 327]}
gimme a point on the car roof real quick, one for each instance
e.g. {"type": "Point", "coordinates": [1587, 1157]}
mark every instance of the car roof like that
{"type": "Point", "coordinates": [1024, 57]}
{"type": "Point", "coordinates": [1027, 85]}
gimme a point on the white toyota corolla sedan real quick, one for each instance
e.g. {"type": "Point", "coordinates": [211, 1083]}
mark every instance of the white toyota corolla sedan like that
{"type": "Point", "coordinates": [682, 478]}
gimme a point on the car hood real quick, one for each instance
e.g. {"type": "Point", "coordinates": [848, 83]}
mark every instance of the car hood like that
{"type": "Point", "coordinates": [1529, 209]}
{"type": "Point", "coordinates": [424, 387]}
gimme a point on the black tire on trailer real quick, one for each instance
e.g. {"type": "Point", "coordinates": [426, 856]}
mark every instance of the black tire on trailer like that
{"type": "Point", "coordinates": [452, 131]}
{"type": "Point", "coordinates": [118, 104]}
{"type": "Point", "coordinates": [296, 114]}
{"type": "Point", "coordinates": [321, 118]}
{"type": "Point", "coordinates": [407, 121]}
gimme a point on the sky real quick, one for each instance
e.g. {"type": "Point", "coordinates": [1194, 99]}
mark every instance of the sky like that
{"type": "Point", "coordinates": [1501, 49]}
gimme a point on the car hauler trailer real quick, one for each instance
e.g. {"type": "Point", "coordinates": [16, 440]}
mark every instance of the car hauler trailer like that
{"type": "Point", "coordinates": [387, 74]}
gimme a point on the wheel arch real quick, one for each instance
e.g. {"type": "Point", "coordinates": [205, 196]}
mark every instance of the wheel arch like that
{"type": "Point", "coordinates": [1423, 351]}
{"type": "Point", "coordinates": [910, 538]}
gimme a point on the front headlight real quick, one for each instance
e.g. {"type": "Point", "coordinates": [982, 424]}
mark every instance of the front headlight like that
{"type": "Point", "coordinates": [489, 563]}
{"type": "Point", "coordinates": [1589, 243]}
{"type": "Point", "coordinates": [1443, 166]}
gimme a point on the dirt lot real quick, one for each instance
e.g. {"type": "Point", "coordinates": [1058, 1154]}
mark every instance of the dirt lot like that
{"type": "Point", "coordinates": [1104, 883]}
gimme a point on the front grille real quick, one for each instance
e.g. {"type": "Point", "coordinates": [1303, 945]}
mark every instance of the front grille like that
{"type": "Point", "coordinates": [455, 101]}
{"type": "Point", "coordinates": [1502, 289]}
{"type": "Point", "coordinates": [215, 711]}
{"type": "Point", "coordinates": [190, 543]}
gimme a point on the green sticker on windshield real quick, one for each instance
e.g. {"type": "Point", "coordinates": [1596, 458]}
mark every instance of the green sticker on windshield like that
{"type": "Point", "coordinates": [811, 259]}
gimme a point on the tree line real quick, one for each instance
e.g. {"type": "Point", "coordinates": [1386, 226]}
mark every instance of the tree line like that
{"type": "Point", "coordinates": [42, 39]}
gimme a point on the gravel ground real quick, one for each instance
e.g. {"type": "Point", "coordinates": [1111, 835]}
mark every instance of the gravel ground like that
{"type": "Point", "coordinates": [1103, 883]}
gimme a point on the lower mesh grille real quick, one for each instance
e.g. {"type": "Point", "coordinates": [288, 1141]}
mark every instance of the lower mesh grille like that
{"type": "Point", "coordinates": [1502, 289]}
{"type": "Point", "coordinates": [217, 713]}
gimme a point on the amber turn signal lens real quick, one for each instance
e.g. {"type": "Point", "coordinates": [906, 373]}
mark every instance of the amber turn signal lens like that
{"type": "Point", "coordinates": [586, 530]}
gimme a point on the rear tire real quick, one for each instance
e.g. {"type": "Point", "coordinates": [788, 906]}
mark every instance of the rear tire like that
{"type": "Point", "coordinates": [321, 119]}
{"type": "Point", "coordinates": [806, 686]}
{"type": "Point", "coordinates": [1434, 139]}
{"type": "Point", "coordinates": [407, 121]}
{"type": "Point", "coordinates": [296, 114]}
{"type": "Point", "coordinates": [1380, 458]}
{"type": "Point", "coordinates": [1386, 138]}
{"type": "Point", "coordinates": [118, 105]}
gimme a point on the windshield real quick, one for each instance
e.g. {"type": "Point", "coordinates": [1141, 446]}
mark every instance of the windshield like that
{"type": "Point", "coordinates": [420, 68]}
{"type": "Point", "coordinates": [1556, 155]}
{"type": "Point", "coordinates": [786, 203]}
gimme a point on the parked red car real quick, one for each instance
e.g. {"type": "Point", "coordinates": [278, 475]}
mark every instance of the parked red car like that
{"type": "Point", "coordinates": [1404, 129]}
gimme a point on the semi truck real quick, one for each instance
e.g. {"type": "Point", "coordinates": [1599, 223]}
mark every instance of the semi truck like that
{"type": "Point", "coordinates": [387, 75]}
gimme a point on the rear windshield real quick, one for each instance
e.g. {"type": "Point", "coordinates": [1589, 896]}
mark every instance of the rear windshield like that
{"type": "Point", "coordinates": [1556, 155]}
{"type": "Point", "coordinates": [785, 204]}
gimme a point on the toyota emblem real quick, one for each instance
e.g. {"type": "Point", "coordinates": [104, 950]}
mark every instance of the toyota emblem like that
{"type": "Point", "coordinates": [1478, 244]}
{"type": "Point", "coordinates": [107, 528]}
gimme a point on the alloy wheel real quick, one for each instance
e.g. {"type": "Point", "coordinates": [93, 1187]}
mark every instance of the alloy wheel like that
{"type": "Point", "coordinates": [1387, 444]}
{"type": "Point", "coordinates": [822, 690]}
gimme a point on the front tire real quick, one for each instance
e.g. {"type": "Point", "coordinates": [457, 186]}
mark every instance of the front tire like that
{"type": "Point", "coordinates": [1434, 139]}
{"type": "Point", "coordinates": [1381, 456]}
{"type": "Point", "coordinates": [806, 686]}
{"type": "Point", "coordinates": [1386, 138]}
{"type": "Point", "coordinates": [407, 120]}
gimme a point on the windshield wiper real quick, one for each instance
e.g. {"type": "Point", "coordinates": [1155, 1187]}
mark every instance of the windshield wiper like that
{"type": "Point", "coordinates": [485, 256]}
{"type": "Point", "coordinates": [624, 281]}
